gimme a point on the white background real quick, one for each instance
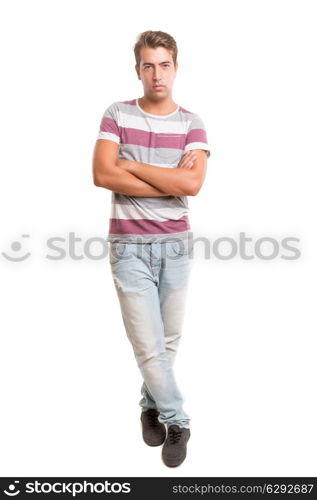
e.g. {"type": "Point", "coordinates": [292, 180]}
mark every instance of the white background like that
{"type": "Point", "coordinates": [70, 385]}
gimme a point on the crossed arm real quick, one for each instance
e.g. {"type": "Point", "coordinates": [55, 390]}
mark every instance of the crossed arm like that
{"type": "Point", "coordinates": [141, 179]}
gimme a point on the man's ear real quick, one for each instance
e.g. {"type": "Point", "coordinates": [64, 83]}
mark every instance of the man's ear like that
{"type": "Point", "coordinates": [137, 71]}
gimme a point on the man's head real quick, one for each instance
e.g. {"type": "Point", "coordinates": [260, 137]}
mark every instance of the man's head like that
{"type": "Point", "coordinates": [156, 63]}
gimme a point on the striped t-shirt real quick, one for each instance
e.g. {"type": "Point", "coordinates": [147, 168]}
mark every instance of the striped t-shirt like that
{"type": "Point", "coordinates": [156, 140]}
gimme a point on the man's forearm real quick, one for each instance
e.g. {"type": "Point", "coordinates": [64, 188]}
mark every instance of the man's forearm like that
{"type": "Point", "coordinates": [177, 181]}
{"type": "Point", "coordinates": [124, 182]}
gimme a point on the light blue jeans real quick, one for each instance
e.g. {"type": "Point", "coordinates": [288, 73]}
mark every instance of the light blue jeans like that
{"type": "Point", "coordinates": [151, 281]}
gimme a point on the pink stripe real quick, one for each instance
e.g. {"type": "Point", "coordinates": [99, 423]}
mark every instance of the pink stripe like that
{"type": "Point", "coordinates": [152, 139]}
{"type": "Point", "coordinates": [185, 110]}
{"type": "Point", "coordinates": [144, 226]}
{"type": "Point", "coordinates": [196, 135]}
{"type": "Point", "coordinates": [141, 137]}
{"type": "Point", "coordinates": [132, 101]}
{"type": "Point", "coordinates": [138, 137]}
{"type": "Point", "coordinates": [109, 125]}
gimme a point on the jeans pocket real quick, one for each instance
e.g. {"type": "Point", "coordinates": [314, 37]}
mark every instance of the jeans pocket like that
{"type": "Point", "coordinates": [117, 251]}
{"type": "Point", "coordinates": [181, 248]}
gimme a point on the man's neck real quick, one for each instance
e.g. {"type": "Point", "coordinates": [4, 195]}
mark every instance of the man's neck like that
{"type": "Point", "coordinates": [157, 108]}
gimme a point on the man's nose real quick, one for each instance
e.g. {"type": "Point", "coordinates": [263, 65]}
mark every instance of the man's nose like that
{"type": "Point", "coordinates": [157, 74]}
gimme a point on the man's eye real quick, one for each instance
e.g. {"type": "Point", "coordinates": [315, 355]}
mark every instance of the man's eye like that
{"type": "Point", "coordinates": [165, 66]}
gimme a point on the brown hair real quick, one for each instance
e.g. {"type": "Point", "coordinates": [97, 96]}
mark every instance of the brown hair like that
{"type": "Point", "coordinates": [155, 39]}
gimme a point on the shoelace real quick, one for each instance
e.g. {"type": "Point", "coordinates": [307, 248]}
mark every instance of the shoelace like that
{"type": "Point", "coordinates": [173, 435]}
{"type": "Point", "coordinates": [152, 418]}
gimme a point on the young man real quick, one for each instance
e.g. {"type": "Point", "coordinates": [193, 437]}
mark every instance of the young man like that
{"type": "Point", "coordinates": [152, 153]}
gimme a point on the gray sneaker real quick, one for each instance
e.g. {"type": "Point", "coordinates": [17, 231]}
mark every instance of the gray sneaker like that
{"type": "Point", "coordinates": [175, 447]}
{"type": "Point", "coordinates": [153, 431]}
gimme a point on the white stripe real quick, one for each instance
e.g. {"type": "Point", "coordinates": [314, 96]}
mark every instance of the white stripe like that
{"type": "Point", "coordinates": [109, 136]}
{"type": "Point", "coordinates": [197, 145]}
{"type": "Point", "coordinates": [164, 165]}
{"type": "Point", "coordinates": [147, 123]}
{"type": "Point", "coordinates": [126, 211]}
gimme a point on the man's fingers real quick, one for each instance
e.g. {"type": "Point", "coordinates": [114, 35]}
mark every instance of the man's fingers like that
{"type": "Point", "coordinates": [187, 160]}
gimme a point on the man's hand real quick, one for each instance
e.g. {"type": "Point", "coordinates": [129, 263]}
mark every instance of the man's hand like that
{"type": "Point", "coordinates": [187, 160]}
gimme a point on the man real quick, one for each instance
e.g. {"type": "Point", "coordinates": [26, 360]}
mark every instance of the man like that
{"type": "Point", "coordinates": [152, 153]}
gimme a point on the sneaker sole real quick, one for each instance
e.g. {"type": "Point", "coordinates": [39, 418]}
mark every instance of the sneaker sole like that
{"type": "Point", "coordinates": [173, 464]}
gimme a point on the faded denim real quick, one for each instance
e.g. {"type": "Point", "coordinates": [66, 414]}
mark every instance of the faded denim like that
{"type": "Point", "coordinates": [151, 281]}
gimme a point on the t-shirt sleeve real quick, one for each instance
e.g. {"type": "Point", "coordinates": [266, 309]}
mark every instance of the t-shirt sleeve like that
{"type": "Point", "coordinates": [109, 126]}
{"type": "Point", "coordinates": [196, 137]}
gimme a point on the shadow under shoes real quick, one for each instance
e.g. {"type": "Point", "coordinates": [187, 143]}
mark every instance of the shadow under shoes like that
{"type": "Point", "coordinates": [153, 431]}
{"type": "Point", "coordinates": [175, 447]}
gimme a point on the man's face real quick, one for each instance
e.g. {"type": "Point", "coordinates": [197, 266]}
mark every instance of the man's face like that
{"type": "Point", "coordinates": [156, 67]}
